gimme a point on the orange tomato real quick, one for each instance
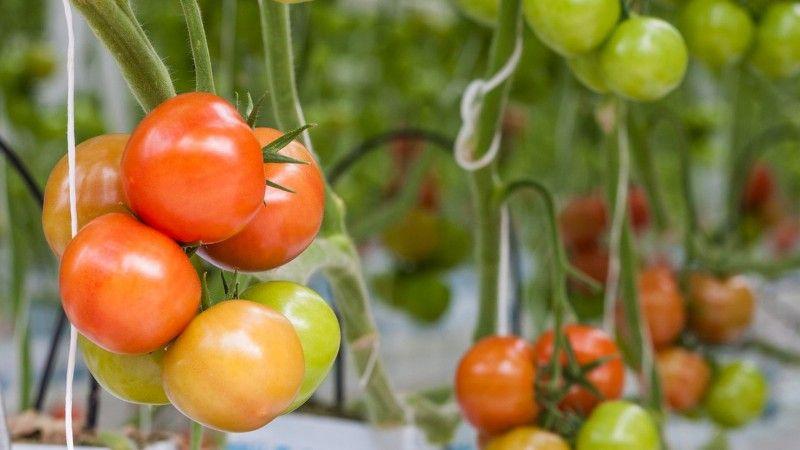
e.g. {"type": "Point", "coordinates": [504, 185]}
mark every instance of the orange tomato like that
{"type": "Point", "coordinates": [662, 304]}
{"type": "Point", "coordinates": [720, 310]}
{"type": "Point", "coordinates": [685, 377]}
{"type": "Point", "coordinates": [528, 438]}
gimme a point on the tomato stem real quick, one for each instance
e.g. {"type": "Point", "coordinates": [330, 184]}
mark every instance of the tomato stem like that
{"type": "Point", "coordinates": [204, 77]}
{"type": "Point", "coordinates": [195, 436]}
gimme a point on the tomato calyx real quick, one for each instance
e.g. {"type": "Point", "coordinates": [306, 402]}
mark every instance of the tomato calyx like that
{"type": "Point", "coordinates": [271, 150]}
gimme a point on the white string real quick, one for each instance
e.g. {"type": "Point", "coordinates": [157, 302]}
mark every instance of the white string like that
{"type": "Point", "coordinates": [471, 105]}
{"type": "Point", "coordinates": [504, 273]}
{"type": "Point", "coordinates": [371, 362]}
{"type": "Point", "coordinates": [73, 212]}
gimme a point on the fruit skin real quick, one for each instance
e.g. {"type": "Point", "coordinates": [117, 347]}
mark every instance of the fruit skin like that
{"type": "Point", "coordinates": [760, 188]}
{"type": "Point", "coordinates": [685, 377]}
{"type": "Point", "coordinates": [720, 310]}
{"type": "Point", "coordinates": [592, 261]}
{"type": "Point", "coordinates": [482, 11]}
{"type": "Point", "coordinates": [126, 287]}
{"type": "Point", "coordinates": [132, 378]}
{"type": "Point", "coordinates": [586, 69]}
{"type": "Point", "coordinates": [589, 344]}
{"type": "Point", "coordinates": [738, 395]}
{"type": "Point", "coordinates": [315, 324]}
{"type": "Point", "coordinates": [645, 59]}
{"type": "Point", "coordinates": [495, 384]}
{"type": "Point", "coordinates": [416, 237]}
{"type": "Point", "coordinates": [572, 27]}
{"type": "Point", "coordinates": [619, 425]}
{"type": "Point", "coordinates": [193, 169]}
{"type": "Point", "coordinates": [662, 304]}
{"type": "Point", "coordinates": [97, 185]}
{"type": "Point", "coordinates": [235, 368]}
{"type": "Point", "coordinates": [528, 438]}
{"type": "Point", "coordinates": [717, 32]}
{"type": "Point", "coordinates": [285, 224]}
{"type": "Point", "coordinates": [583, 220]}
{"type": "Point", "coordinates": [777, 49]}
{"type": "Point", "coordinates": [638, 208]}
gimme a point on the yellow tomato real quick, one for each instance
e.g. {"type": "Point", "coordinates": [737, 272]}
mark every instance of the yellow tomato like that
{"type": "Point", "coordinates": [528, 438]}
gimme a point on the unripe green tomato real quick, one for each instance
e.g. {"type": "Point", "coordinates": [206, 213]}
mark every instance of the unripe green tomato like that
{"type": "Point", "coordinates": [619, 425]}
{"type": "Point", "coordinates": [777, 49]}
{"type": "Point", "coordinates": [423, 295]}
{"type": "Point", "coordinates": [482, 11]}
{"type": "Point", "coordinates": [738, 395]}
{"type": "Point", "coordinates": [39, 61]}
{"type": "Point", "coordinates": [587, 70]}
{"type": "Point", "coordinates": [314, 322]}
{"type": "Point", "coordinates": [572, 27]}
{"type": "Point", "coordinates": [132, 378]}
{"type": "Point", "coordinates": [717, 32]}
{"type": "Point", "coordinates": [645, 59]}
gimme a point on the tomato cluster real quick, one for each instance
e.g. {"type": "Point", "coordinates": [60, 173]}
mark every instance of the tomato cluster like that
{"type": "Point", "coordinates": [193, 174]}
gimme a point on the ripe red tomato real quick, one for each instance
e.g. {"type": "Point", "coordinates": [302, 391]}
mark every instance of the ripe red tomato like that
{"type": "Point", "coordinates": [592, 261]}
{"type": "Point", "coordinates": [685, 377]}
{"type": "Point", "coordinates": [583, 221]}
{"type": "Point", "coordinates": [720, 309]}
{"type": "Point", "coordinates": [589, 344]}
{"type": "Point", "coordinates": [638, 209]}
{"type": "Point", "coordinates": [759, 189]}
{"type": "Point", "coordinates": [193, 169]}
{"type": "Point", "coordinates": [286, 223]}
{"type": "Point", "coordinates": [97, 185]}
{"type": "Point", "coordinates": [236, 367]}
{"type": "Point", "coordinates": [126, 287]}
{"type": "Point", "coordinates": [495, 384]}
{"type": "Point", "coordinates": [662, 304]}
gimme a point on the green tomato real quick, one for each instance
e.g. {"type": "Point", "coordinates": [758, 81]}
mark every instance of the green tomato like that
{"type": "Point", "coordinates": [718, 32]}
{"type": "Point", "coordinates": [619, 425]}
{"type": "Point", "coordinates": [645, 59]}
{"type": "Point", "coordinates": [738, 395]}
{"type": "Point", "coordinates": [315, 324]}
{"type": "Point", "coordinates": [587, 70]}
{"type": "Point", "coordinates": [423, 295]}
{"type": "Point", "coordinates": [777, 50]}
{"type": "Point", "coordinates": [133, 378]}
{"type": "Point", "coordinates": [482, 11]}
{"type": "Point", "coordinates": [572, 27]}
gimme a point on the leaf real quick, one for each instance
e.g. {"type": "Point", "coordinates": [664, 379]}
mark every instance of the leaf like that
{"type": "Point", "coordinates": [281, 159]}
{"type": "Point", "coordinates": [278, 186]}
{"type": "Point", "coordinates": [255, 110]}
{"type": "Point", "coordinates": [285, 140]}
{"type": "Point", "coordinates": [248, 108]}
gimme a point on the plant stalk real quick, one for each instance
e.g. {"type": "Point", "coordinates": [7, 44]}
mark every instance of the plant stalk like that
{"type": "Point", "coordinates": [204, 77]}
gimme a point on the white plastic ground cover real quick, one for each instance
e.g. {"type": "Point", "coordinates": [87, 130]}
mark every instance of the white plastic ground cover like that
{"type": "Point", "coordinates": [50, 447]}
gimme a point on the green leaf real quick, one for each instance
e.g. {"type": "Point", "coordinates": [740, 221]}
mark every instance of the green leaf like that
{"type": "Point", "coordinates": [285, 140]}
{"type": "Point", "coordinates": [281, 159]}
{"type": "Point", "coordinates": [248, 109]}
{"type": "Point", "coordinates": [278, 186]}
{"type": "Point", "coordinates": [255, 110]}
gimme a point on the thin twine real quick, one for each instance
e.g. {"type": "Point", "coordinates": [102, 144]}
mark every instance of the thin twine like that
{"type": "Point", "coordinates": [372, 361]}
{"type": "Point", "coordinates": [73, 211]}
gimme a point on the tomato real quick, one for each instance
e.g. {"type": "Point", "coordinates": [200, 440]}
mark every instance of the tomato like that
{"type": "Point", "coordinates": [495, 384]}
{"type": "Point", "coordinates": [638, 209]}
{"type": "Point", "coordinates": [777, 49]}
{"type": "Point", "coordinates": [97, 185]}
{"type": "Point", "coordinates": [423, 295]}
{"type": "Point", "coordinates": [126, 287]}
{"type": "Point", "coordinates": [482, 11]}
{"type": "Point", "coordinates": [528, 438]}
{"type": "Point", "coordinates": [236, 367]}
{"type": "Point", "coordinates": [619, 425]}
{"type": "Point", "coordinates": [718, 32]}
{"type": "Point", "coordinates": [785, 236]}
{"type": "Point", "coordinates": [738, 395]}
{"type": "Point", "coordinates": [193, 169]}
{"type": "Point", "coordinates": [645, 59]}
{"type": "Point", "coordinates": [592, 261]}
{"type": "Point", "coordinates": [685, 376]}
{"type": "Point", "coordinates": [315, 324]}
{"type": "Point", "coordinates": [286, 222]}
{"type": "Point", "coordinates": [720, 309]}
{"type": "Point", "coordinates": [589, 345]}
{"type": "Point", "coordinates": [663, 305]}
{"type": "Point", "coordinates": [132, 378]}
{"type": "Point", "coordinates": [586, 69]}
{"type": "Point", "coordinates": [415, 238]}
{"type": "Point", "coordinates": [572, 27]}
{"type": "Point", "coordinates": [583, 221]}
{"type": "Point", "coordinates": [759, 189]}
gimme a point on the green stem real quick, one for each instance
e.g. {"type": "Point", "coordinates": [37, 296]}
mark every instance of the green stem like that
{"type": "Point", "coordinates": [147, 76]}
{"type": "Point", "coordinates": [196, 436]}
{"type": "Point", "coordinates": [643, 158]}
{"type": "Point", "coordinates": [204, 77]}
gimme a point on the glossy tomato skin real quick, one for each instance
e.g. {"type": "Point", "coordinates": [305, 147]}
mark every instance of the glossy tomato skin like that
{"type": "Point", "coordinates": [315, 324]}
{"type": "Point", "coordinates": [286, 223]}
{"type": "Point", "coordinates": [589, 344]}
{"type": "Point", "coordinates": [663, 305]}
{"type": "Point", "coordinates": [495, 384]}
{"type": "Point", "coordinates": [586, 69]}
{"type": "Point", "coordinates": [685, 377]}
{"type": "Point", "coordinates": [235, 368]}
{"type": "Point", "coordinates": [193, 169]}
{"type": "Point", "coordinates": [759, 189]}
{"type": "Point", "coordinates": [572, 27]}
{"type": "Point", "coordinates": [126, 287]}
{"type": "Point", "coordinates": [638, 208]}
{"type": "Point", "coordinates": [738, 395]}
{"type": "Point", "coordinates": [528, 438]}
{"type": "Point", "coordinates": [717, 32]}
{"type": "Point", "coordinates": [132, 378]}
{"type": "Point", "coordinates": [98, 188]}
{"type": "Point", "coordinates": [619, 425]}
{"type": "Point", "coordinates": [644, 59]}
{"type": "Point", "coordinates": [720, 310]}
{"type": "Point", "coordinates": [583, 220]}
{"type": "Point", "coordinates": [777, 48]}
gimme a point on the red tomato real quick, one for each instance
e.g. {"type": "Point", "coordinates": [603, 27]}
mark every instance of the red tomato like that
{"type": "Point", "coordinates": [662, 304]}
{"type": "Point", "coordinates": [720, 309]}
{"type": "Point", "coordinates": [495, 384]}
{"type": "Point", "coordinates": [286, 223]}
{"type": "Point", "coordinates": [193, 169]}
{"type": "Point", "coordinates": [583, 220]}
{"type": "Point", "coordinates": [126, 287]}
{"type": "Point", "coordinates": [638, 209]}
{"type": "Point", "coordinates": [760, 187]}
{"type": "Point", "coordinates": [592, 261]}
{"type": "Point", "coordinates": [685, 376]}
{"type": "Point", "coordinates": [589, 344]}
{"type": "Point", "coordinates": [786, 235]}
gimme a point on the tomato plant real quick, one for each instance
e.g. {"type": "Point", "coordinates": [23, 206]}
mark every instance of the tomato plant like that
{"type": "Point", "coordinates": [286, 222]}
{"type": "Point", "coordinates": [126, 287]}
{"type": "Point", "coordinates": [193, 169]}
{"type": "Point", "coordinates": [236, 367]}
{"type": "Point", "coordinates": [777, 47]}
{"type": "Point", "coordinates": [572, 27]}
{"type": "Point", "coordinates": [619, 425]}
{"type": "Point", "coordinates": [495, 384]}
{"type": "Point", "coordinates": [528, 438]}
{"type": "Point", "coordinates": [662, 304]}
{"type": "Point", "coordinates": [718, 32]}
{"type": "Point", "coordinates": [738, 395]}
{"type": "Point", "coordinates": [720, 310]}
{"type": "Point", "coordinates": [685, 377]}
{"type": "Point", "coordinates": [315, 324]}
